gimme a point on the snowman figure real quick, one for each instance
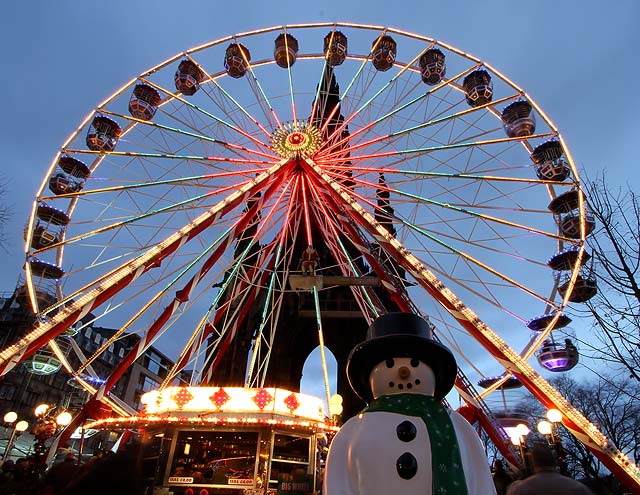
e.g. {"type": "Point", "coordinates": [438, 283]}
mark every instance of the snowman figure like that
{"type": "Point", "coordinates": [405, 442]}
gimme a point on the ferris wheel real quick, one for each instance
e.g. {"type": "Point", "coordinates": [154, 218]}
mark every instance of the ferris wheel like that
{"type": "Point", "coordinates": [421, 177]}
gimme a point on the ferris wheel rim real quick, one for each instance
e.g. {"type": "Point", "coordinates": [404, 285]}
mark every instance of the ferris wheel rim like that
{"type": "Point", "coordinates": [250, 33]}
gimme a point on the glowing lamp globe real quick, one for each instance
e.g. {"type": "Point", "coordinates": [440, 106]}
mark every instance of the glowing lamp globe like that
{"type": "Point", "coordinates": [544, 427]}
{"type": "Point", "coordinates": [10, 417]}
{"type": "Point", "coordinates": [41, 409]}
{"type": "Point", "coordinates": [554, 415]}
{"type": "Point", "coordinates": [64, 418]}
{"type": "Point", "coordinates": [22, 425]}
{"type": "Point", "coordinates": [522, 430]}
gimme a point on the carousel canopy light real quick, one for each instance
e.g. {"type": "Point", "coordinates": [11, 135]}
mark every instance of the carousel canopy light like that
{"type": "Point", "coordinates": [206, 400]}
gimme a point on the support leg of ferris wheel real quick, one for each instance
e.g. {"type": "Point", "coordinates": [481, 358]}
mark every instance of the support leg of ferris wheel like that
{"type": "Point", "coordinates": [475, 409]}
{"type": "Point", "coordinates": [585, 431]}
{"type": "Point", "coordinates": [120, 277]}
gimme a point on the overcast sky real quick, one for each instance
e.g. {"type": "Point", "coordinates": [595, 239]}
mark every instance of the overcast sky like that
{"type": "Point", "coordinates": [577, 59]}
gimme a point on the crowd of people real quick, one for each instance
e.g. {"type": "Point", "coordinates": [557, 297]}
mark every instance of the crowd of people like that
{"type": "Point", "coordinates": [103, 473]}
{"type": "Point", "coordinates": [545, 477]}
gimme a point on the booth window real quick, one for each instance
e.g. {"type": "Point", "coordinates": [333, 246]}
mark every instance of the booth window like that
{"type": "Point", "coordinates": [215, 458]}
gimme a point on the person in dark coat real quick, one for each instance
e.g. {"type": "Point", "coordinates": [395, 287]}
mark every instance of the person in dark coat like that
{"type": "Point", "coordinates": [546, 479]}
{"type": "Point", "coordinates": [501, 479]}
{"type": "Point", "coordinates": [61, 474]}
{"type": "Point", "coordinates": [116, 474]}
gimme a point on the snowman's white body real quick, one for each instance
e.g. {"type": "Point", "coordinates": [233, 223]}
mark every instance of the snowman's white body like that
{"type": "Point", "coordinates": [362, 458]}
{"type": "Point", "coordinates": [363, 455]}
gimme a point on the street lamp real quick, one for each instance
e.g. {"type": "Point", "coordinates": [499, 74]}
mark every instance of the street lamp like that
{"type": "Point", "coordinates": [519, 439]}
{"type": "Point", "coordinates": [548, 429]}
{"type": "Point", "coordinates": [17, 428]}
{"type": "Point", "coordinates": [47, 426]}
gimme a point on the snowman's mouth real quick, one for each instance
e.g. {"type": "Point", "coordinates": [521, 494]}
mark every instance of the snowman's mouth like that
{"type": "Point", "coordinates": [408, 385]}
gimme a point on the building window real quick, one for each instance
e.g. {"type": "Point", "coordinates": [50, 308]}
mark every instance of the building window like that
{"type": "Point", "coordinates": [87, 332]}
{"type": "Point", "coordinates": [146, 383]}
{"type": "Point", "coordinates": [121, 352]}
{"type": "Point", "coordinates": [7, 391]}
{"type": "Point", "coordinates": [97, 339]}
{"type": "Point", "coordinates": [153, 363]}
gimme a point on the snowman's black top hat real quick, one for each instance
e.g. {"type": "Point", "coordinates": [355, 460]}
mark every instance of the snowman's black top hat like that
{"type": "Point", "coordinates": [400, 335]}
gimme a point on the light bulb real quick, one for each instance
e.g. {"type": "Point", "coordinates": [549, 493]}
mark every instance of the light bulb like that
{"type": "Point", "coordinates": [41, 409]}
{"type": "Point", "coordinates": [544, 427]}
{"type": "Point", "coordinates": [64, 418]}
{"type": "Point", "coordinates": [522, 430]}
{"type": "Point", "coordinates": [10, 417]}
{"type": "Point", "coordinates": [554, 415]}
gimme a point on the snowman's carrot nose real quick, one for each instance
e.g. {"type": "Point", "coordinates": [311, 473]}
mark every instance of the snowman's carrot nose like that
{"type": "Point", "coordinates": [404, 372]}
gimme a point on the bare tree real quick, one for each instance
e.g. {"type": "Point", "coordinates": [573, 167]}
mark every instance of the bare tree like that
{"type": "Point", "coordinates": [615, 250]}
{"type": "Point", "coordinates": [613, 405]}
{"type": "Point", "coordinates": [5, 212]}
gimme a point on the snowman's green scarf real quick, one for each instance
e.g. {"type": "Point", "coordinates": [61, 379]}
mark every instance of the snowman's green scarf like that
{"type": "Point", "coordinates": [446, 464]}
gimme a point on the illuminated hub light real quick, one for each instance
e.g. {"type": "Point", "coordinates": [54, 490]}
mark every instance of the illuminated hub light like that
{"type": "Point", "coordinates": [296, 140]}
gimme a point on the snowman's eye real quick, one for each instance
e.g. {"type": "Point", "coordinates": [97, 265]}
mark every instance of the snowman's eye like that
{"type": "Point", "coordinates": [415, 362]}
{"type": "Point", "coordinates": [390, 362]}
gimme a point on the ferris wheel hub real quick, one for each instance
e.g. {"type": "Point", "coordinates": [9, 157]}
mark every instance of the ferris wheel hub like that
{"type": "Point", "coordinates": [298, 139]}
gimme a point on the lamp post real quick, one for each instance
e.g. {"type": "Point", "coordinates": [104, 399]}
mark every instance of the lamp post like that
{"type": "Point", "coordinates": [519, 439]}
{"type": "Point", "coordinates": [16, 429]}
{"type": "Point", "coordinates": [46, 428]}
{"type": "Point", "coordinates": [548, 429]}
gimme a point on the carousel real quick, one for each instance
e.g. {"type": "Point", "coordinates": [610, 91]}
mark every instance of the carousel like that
{"type": "Point", "coordinates": [228, 440]}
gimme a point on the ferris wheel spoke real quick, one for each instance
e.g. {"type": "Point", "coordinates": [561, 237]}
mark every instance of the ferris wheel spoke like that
{"type": "Point", "coordinates": [213, 159]}
{"type": "Point", "coordinates": [429, 149]}
{"type": "Point", "coordinates": [367, 127]}
{"type": "Point", "coordinates": [229, 97]}
{"type": "Point", "coordinates": [234, 147]}
{"type": "Point", "coordinates": [242, 290]}
{"type": "Point", "coordinates": [331, 115]}
{"type": "Point", "coordinates": [182, 296]}
{"type": "Point", "coordinates": [395, 135]}
{"type": "Point", "coordinates": [136, 218]}
{"type": "Point", "coordinates": [367, 300]}
{"type": "Point", "coordinates": [463, 176]}
{"type": "Point", "coordinates": [349, 118]}
{"type": "Point", "coordinates": [292, 93]}
{"type": "Point", "coordinates": [232, 322]}
{"type": "Point", "coordinates": [230, 125]}
{"type": "Point", "coordinates": [232, 317]}
{"type": "Point", "coordinates": [256, 376]}
{"type": "Point", "coordinates": [459, 209]}
{"type": "Point", "coordinates": [261, 96]}
{"type": "Point", "coordinates": [470, 259]}
{"type": "Point", "coordinates": [390, 281]}
{"type": "Point", "coordinates": [150, 184]}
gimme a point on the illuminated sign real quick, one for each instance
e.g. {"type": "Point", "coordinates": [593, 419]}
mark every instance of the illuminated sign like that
{"type": "Point", "coordinates": [181, 479]}
{"type": "Point", "coordinates": [241, 481]}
